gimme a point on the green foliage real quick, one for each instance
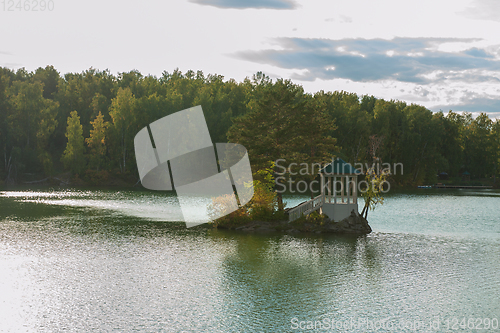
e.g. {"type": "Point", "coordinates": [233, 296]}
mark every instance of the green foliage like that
{"type": "Point", "coordinates": [271, 119]}
{"type": "Point", "coordinates": [97, 141]}
{"type": "Point", "coordinates": [46, 126]}
{"type": "Point", "coordinates": [315, 218]}
{"type": "Point", "coordinates": [73, 158]}
{"type": "Point", "coordinates": [219, 206]}
{"type": "Point", "coordinates": [262, 207]}
{"type": "Point", "coordinates": [265, 204]}
{"type": "Point", "coordinates": [271, 128]}
{"type": "Point", "coordinates": [30, 111]}
{"type": "Point", "coordinates": [352, 123]}
{"type": "Point", "coordinates": [494, 148]}
{"type": "Point", "coordinates": [283, 123]}
{"type": "Point", "coordinates": [122, 112]}
{"type": "Point", "coordinates": [264, 177]}
{"type": "Point", "coordinates": [479, 146]}
{"type": "Point", "coordinates": [373, 193]}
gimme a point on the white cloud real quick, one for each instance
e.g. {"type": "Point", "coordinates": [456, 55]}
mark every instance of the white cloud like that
{"type": "Point", "coordinates": [483, 10]}
{"type": "Point", "coordinates": [400, 59]}
{"type": "Point", "coordinates": [245, 4]}
{"type": "Point", "coordinates": [439, 49]}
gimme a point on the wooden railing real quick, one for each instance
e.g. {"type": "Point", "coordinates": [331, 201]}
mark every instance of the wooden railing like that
{"type": "Point", "coordinates": [306, 208]}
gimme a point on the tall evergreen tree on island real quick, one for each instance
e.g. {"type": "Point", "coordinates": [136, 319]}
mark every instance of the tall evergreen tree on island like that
{"type": "Point", "coordinates": [283, 123]}
{"type": "Point", "coordinates": [270, 129]}
{"type": "Point", "coordinates": [316, 146]}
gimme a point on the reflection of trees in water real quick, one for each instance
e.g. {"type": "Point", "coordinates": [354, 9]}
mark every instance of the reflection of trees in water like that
{"type": "Point", "coordinates": [272, 279]}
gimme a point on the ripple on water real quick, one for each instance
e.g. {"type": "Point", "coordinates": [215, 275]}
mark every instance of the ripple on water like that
{"type": "Point", "coordinates": [78, 267]}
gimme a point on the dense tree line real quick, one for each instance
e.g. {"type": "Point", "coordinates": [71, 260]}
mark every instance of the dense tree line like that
{"type": "Point", "coordinates": [86, 122]}
{"type": "Point", "coordinates": [425, 143]}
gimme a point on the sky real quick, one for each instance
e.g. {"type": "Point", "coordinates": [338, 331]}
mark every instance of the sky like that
{"type": "Point", "coordinates": [442, 54]}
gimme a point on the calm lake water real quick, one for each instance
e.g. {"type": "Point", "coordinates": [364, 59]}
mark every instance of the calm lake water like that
{"type": "Point", "coordinates": [107, 260]}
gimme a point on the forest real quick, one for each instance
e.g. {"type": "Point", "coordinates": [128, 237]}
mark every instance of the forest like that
{"type": "Point", "coordinates": [84, 124]}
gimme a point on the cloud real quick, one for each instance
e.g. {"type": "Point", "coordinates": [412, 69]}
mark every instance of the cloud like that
{"type": "Point", "coordinates": [475, 52]}
{"type": "Point", "coordinates": [340, 18]}
{"type": "Point", "coordinates": [12, 65]}
{"type": "Point", "coordinates": [483, 10]}
{"type": "Point", "coordinates": [345, 19]}
{"type": "Point", "coordinates": [414, 60]}
{"type": "Point", "coordinates": [9, 64]}
{"type": "Point", "coordinates": [485, 103]}
{"type": "Point", "coordinates": [244, 4]}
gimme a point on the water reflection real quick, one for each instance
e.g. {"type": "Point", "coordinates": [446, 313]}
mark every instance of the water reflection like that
{"type": "Point", "coordinates": [272, 279]}
{"type": "Point", "coordinates": [83, 268]}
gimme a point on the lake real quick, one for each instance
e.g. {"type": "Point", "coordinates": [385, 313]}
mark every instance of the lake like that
{"type": "Point", "coordinates": [110, 260]}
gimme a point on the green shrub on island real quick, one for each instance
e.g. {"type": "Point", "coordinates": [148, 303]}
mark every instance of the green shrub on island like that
{"type": "Point", "coordinates": [262, 207]}
{"type": "Point", "coordinates": [313, 218]}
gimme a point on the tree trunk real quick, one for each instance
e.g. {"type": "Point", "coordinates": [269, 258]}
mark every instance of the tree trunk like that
{"type": "Point", "coordinates": [364, 212]}
{"type": "Point", "coordinates": [280, 201]}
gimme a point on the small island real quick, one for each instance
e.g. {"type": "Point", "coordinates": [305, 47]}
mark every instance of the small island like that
{"type": "Point", "coordinates": [334, 210]}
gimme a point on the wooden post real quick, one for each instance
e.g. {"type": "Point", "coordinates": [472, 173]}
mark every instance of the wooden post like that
{"type": "Point", "coordinates": [329, 189]}
{"type": "Point", "coordinates": [355, 189]}
{"type": "Point", "coordinates": [322, 191]}
{"type": "Point", "coordinates": [334, 190]}
{"type": "Point", "coordinates": [348, 188]}
{"type": "Point", "coordinates": [342, 188]}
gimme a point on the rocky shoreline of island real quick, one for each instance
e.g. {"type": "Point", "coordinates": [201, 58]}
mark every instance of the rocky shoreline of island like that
{"type": "Point", "coordinates": [354, 224]}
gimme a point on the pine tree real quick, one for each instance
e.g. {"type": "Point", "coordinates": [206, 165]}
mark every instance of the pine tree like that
{"type": "Point", "coordinates": [282, 124]}
{"type": "Point", "coordinates": [270, 127]}
{"type": "Point", "coordinates": [316, 147]}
